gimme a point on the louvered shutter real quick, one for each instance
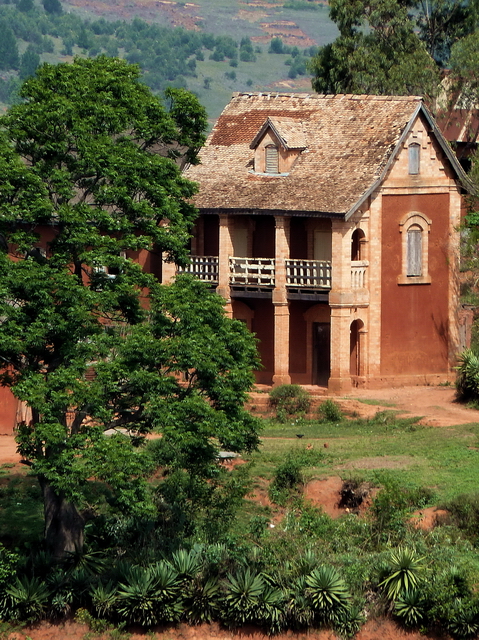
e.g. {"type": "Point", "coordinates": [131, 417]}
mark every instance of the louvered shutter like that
{"type": "Point", "coordinates": [414, 252]}
{"type": "Point", "coordinates": [272, 160]}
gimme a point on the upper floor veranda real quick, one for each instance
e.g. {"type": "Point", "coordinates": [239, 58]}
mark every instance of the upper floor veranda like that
{"type": "Point", "coordinates": [254, 255]}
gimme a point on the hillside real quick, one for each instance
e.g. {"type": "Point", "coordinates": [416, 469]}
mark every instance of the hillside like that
{"type": "Point", "coordinates": [211, 47]}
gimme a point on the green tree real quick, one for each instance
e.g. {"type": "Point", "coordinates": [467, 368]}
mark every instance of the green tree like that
{"type": "Point", "coordinates": [9, 57]}
{"type": "Point", "coordinates": [29, 62]}
{"type": "Point", "coordinates": [52, 6]}
{"type": "Point", "coordinates": [376, 52]}
{"type": "Point", "coordinates": [88, 339]}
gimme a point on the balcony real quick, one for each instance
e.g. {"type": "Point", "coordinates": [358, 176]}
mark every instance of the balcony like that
{"type": "Point", "coordinates": [203, 267]}
{"type": "Point", "coordinates": [259, 273]}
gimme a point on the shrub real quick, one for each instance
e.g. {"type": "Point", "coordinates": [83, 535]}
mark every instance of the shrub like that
{"type": "Point", "coordinates": [404, 575]}
{"type": "Point", "coordinates": [287, 478]}
{"type": "Point", "coordinates": [289, 400]}
{"type": "Point", "coordinates": [329, 411]}
{"type": "Point", "coordinates": [467, 381]}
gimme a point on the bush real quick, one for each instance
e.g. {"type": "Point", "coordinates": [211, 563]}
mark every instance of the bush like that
{"type": "Point", "coordinates": [329, 411]}
{"type": "Point", "coordinates": [467, 382]}
{"type": "Point", "coordinates": [287, 477]}
{"type": "Point", "coordinates": [289, 400]}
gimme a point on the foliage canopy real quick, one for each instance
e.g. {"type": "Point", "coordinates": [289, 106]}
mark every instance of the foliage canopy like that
{"type": "Point", "coordinates": [90, 163]}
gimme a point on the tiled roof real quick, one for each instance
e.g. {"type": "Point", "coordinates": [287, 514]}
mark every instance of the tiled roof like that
{"type": "Point", "coordinates": [289, 131]}
{"type": "Point", "coordinates": [348, 139]}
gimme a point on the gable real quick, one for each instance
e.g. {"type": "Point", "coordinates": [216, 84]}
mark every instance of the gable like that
{"type": "Point", "coordinates": [350, 146]}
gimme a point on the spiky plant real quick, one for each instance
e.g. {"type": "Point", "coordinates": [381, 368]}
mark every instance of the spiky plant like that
{"type": "Point", "coordinates": [270, 609]}
{"type": "Point", "coordinates": [242, 597]}
{"type": "Point", "coordinates": [410, 607]}
{"type": "Point", "coordinates": [405, 572]}
{"type": "Point", "coordinates": [327, 592]}
{"type": "Point", "coordinates": [467, 381]}
{"type": "Point", "coordinates": [104, 598]}
{"type": "Point", "coordinates": [26, 599]}
{"type": "Point", "coordinates": [187, 564]}
{"type": "Point", "coordinates": [202, 602]}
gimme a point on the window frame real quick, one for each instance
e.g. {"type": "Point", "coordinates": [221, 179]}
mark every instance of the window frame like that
{"type": "Point", "coordinates": [414, 222]}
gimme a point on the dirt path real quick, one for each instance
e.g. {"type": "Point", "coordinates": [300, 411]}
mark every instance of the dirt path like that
{"type": "Point", "coordinates": [436, 404]}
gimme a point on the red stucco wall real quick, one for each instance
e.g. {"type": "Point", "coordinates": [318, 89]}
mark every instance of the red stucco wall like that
{"type": "Point", "coordinates": [414, 318]}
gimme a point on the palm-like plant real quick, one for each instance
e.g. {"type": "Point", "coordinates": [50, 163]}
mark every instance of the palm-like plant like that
{"type": "Point", "coordinates": [104, 598]}
{"type": "Point", "coordinates": [269, 611]}
{"type": "Point", "coordinates": [405, 569]}
{"type": "Point", "coordinates": [187, 564]}
{"type": "Point", "coordinates": [467, 382]}
{"type": "Point", "coordinates": [410, 607]}
{"type": "Point", "coordinates": [464, 620]}
{"type": "Point", "coordinates": [28, 598]}
{"type": "Point", "coordinates": [327, 591]}
{"type": "Point", "coordinates": [244, 591]}
{"type": "Point", "coordinates": [298, 609]}
{"type": "Point", "coordinates": [202, 603]}
{"type": "Point", "coordinates": [150, 596]}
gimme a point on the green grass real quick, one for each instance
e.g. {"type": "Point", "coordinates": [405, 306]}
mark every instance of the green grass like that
{"type": "Point", "coordinates": [444, 459]}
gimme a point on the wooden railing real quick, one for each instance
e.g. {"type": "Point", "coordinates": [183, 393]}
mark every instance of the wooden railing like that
{"type": "Point", "coordinates": [203, 267]}
{"type": "Point", "coordinates": [253, 272]}
{"type": "Point", "coordinates": [359, 270]}
{"type": "Point", "coordinates": [308, 274]}
{"type": "Point", "coordinates": [260, 272]}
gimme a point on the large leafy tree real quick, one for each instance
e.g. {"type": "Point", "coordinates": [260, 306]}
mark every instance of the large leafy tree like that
{"type": "Point", "coordinates": [377, 52]}
{"type": "Point", "coordinates": [89, 341]}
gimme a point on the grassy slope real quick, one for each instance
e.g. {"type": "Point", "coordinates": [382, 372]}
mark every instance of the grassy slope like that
{"type": "Point", "coordinates": [238, 20]}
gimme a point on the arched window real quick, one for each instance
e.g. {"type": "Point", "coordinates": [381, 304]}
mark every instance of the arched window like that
{"type": "Point", "coordinates": [271, 159]}
{"type": "Point", "coordinates": [415, 228]}
{"type": "Point", "coordinates": [413, 151]}
{"type": "Point", "coordinates": [358, 240]}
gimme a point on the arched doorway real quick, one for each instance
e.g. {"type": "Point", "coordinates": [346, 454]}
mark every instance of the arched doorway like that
{"type": "Point", "coordinates": [355, 364]}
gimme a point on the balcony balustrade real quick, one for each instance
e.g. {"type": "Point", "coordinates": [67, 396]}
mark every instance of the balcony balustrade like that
{"type": "Point", "coordinates": [308, 274]}
{"type": "Point", "coordinates": [260, 272]}
{"type": "Point", "coordinates": [203, 267]}
{"type": "Point", "coordinates": [359, 270]}
{"type": "Point", "coordinates": [252, 272]}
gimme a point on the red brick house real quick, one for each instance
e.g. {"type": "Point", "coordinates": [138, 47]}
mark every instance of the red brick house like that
{"type": "Point", "coordinates": [330, 226]}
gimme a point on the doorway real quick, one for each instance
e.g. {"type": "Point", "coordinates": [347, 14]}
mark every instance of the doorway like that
{"type": "Point", "coordinates": [321, 353]}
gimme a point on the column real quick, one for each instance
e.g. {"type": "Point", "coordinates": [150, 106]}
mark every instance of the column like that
{"type": "Point", "coordinates": [225, 251]}
{"type": "Point", "coordinates": [340, 299]}
{"type": "Point", "coordinates": [340, 378]}
{"type": "Point", "coordinates": [280, 303]}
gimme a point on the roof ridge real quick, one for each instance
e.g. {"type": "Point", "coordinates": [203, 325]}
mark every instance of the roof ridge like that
{"type": "Point", "coordinates": [318, 96]}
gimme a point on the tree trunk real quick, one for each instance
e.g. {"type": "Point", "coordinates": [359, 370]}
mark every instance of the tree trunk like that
{"type": "Point", "coordinates": [64, 525]}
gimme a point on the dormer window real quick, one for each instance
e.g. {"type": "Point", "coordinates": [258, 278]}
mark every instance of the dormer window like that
{"type": "Point", "coordinates": [413, 150]}
{"type": "Point", "coordinates": [271, 159]}
{"type": "Point", "coordinates": [277, 145]}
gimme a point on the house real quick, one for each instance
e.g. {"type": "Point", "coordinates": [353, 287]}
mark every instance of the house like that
{"type": "Point", "coordinates": [330, 226]}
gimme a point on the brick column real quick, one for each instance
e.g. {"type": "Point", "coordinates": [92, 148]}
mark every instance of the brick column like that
{"type": "Point", "coordinates": [225, 251]}
{"type": "Point", "coordinates": [280, 303]}
{"type": "Point", "coordinates": [340, 299]}
{"type": "Point", "coordinates": [340, 377]}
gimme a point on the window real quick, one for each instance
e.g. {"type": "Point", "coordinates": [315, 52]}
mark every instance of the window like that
{"type": "Point", "coordinates": [271, 159]}
{"type": "Point", "coordinates": [413, 151]}
{"type": "Point", "coordinates": [414, 251]}
{"type": "Point", "coordinates": [414, 228]}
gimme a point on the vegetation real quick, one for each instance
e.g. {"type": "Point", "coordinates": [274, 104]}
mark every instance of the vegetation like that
{"type": "Point", "coordinates": [89, 341]}
{"type": "Point", "coordinates": [289, 400]}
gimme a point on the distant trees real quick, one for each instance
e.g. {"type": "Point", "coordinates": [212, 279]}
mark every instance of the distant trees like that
{"type": "Point", "coordinates": [376, 52]}
{"type": "Point", "coordinates": [9, 57]}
